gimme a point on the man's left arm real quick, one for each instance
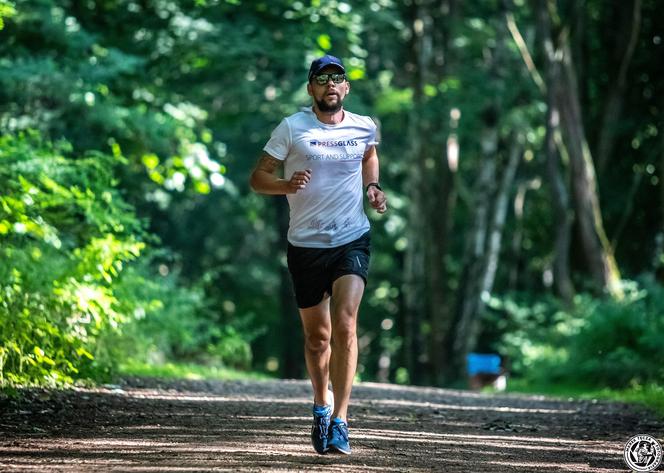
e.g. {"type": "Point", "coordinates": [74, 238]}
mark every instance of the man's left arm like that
{"type": "Point", "coordinates": [370, 171]}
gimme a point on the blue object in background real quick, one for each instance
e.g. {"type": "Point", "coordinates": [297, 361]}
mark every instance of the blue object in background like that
{"type": "Point", "coordinates": [482, 363]}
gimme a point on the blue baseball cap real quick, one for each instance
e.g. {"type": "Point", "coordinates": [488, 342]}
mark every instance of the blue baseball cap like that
{"type": "Point", "coordinates": [319, 64]}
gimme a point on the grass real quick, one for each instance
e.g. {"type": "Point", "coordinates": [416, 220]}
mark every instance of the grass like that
{"type": "Point", "coordinates": [187, 371]}
{"type": "Point", "coordinates": [651, 396]}
{"type": "Point", "coordinates": [165, 371]}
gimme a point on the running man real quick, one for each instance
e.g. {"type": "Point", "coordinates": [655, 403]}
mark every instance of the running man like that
{"type": "Point", "coordinates": [329, 161]}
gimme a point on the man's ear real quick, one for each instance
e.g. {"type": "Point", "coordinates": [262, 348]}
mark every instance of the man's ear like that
{"type": "Point", "coordinates": [309, 91]}
{"type": "Point", "coordinates": [347, 87]}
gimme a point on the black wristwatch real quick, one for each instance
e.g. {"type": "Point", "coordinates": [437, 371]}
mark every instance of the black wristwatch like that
{"type": "Point", "coordinates": [373, 184]}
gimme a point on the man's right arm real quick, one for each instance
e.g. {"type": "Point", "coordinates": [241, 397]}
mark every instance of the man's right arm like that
{"type": "Point", "coordinates": [265, 179]}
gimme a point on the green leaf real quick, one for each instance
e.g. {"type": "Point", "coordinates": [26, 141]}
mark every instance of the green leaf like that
{"type": "Point", "coordinates": [355, 73]}
{"type": "Point", "coordinates": [150, 161]}
{"type": "Point", "coordinates": [83, 352]}
{"type": "Point", "coordinates": [324, 42]}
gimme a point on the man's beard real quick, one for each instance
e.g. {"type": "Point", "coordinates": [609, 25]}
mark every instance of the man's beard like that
{"type": "Point", "coordinates": [324, 107]}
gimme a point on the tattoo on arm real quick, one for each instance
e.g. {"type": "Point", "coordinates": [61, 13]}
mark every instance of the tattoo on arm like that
{"type": "Point", "coordinates": [268, 164]}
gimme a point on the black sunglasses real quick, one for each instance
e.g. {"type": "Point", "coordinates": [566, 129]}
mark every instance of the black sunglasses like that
{"type": "Point", "coordinates": [322, 79]}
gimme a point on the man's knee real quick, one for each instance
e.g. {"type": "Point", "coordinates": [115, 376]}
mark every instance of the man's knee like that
{"type": "Point", "coordinates": [345, 325]}
{"type": "Point", "coordinates": [317, 342]}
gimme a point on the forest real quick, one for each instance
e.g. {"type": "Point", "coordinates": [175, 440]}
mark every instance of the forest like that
{"type": "Point", "coordinates": [521, 150]}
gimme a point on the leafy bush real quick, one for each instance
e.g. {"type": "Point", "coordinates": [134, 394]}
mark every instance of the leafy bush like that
{"type": "Point", "coordinates": [620, 342]}
{"type": "Point", "coordinates": [70, 304]}
{"type": "Point", "coordinates": [172, 323]}
{"type": "Point", "coordinates": [598, 343]}
{"type": "Point", "coordinates": [65, 234]}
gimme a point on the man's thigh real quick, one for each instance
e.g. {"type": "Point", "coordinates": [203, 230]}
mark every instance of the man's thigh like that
{"type": "Point", "coordinates": [346, 297]}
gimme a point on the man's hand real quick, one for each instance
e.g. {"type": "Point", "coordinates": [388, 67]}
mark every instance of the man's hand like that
{"type": "Point", "coordinates": [298, 181]}
{"type": "Point", "coordinates": [377, 199]}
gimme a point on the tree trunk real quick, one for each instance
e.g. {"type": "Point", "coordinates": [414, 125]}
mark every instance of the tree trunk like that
{"type": "Point", "coordinates": [596, 247]}
{"type": "Point", "coordinates": [431, 186]}
{"type": "Point", "coordinates": [483, 251]}
{"type": "Point", "coordinates": [414, 283]}
{"type": "Point", "coordinates": [441, 204]}
{"type": "Point", "coordinates": [517, 237]}
{"type": "Point", "coordinates": [416, 289]}
{"type": "Point", "coordinates": [474, 259]}
{"type": "Point", "coordinates": [617, 88]}
{"type": "Point", "coordinates": [498, 223]}
{"type": "Point", "coordinates": [563, 213]}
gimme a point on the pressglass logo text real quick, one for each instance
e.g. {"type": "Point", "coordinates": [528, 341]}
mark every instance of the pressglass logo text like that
{"type": "Point", "coordinates": [333, 143]}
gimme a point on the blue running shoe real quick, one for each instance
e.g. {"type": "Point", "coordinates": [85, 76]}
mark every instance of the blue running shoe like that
{"type": "Point", "coordinates": [338, 437]}
{"type": "Point", "coordinates": [320, 427]}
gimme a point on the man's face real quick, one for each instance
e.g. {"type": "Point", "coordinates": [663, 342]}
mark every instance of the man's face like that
{"type": "Point", "coordinates": [329, 96]}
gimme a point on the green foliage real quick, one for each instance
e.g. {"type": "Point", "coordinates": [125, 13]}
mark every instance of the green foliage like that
{"type": "Point", "coordinates": [70, 305]}
{"type": "Point", "coordinates": [173, 323]}
{"type": "Point", "coordinates": [80, 73]}
{"type": "Point", "coordinates": [66, 234]}
{"type": "Point", "coordinates": [187, 93]}
{"type": "Point", "coordinates": [614, 343]}
{"type": "Point", "coordinates": [619, 343]}
{"type": "Point", "coordinates": [186, 371]}
{"type": "Point", "coordinates": [7, 10]}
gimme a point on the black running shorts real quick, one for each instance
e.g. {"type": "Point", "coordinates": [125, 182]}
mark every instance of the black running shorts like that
{"type": "Point", "coordinates": [313, 270]}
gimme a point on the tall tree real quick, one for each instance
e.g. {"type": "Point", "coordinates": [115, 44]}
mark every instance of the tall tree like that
{"type": "Point", "coordinates": [492, 193]}
{"type": "Point", "coordinates": [560, 198]}
{"type": "Point", "coordinates": [416, 288]}
{"type": "Point", "coordinates": [597, 249]}
{"type": "Point", "coordinates": [469, 294]}
{"type": "Point", "coordinates": [431, 192]}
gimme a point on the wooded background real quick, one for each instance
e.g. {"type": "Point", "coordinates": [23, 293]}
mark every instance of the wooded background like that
{"type": "Point", "coordinates": [521, 147]}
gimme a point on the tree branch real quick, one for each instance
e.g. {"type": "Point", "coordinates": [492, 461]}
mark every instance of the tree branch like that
{"type": "Point", "coordinates": [525, 54]}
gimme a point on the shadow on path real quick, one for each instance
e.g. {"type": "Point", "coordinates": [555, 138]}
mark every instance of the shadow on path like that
{"type": "Point", "coordinates": [149, 425]}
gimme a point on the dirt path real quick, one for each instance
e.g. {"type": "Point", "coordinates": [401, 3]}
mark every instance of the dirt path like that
{"type": "Point", "coordinates": [148, 425]}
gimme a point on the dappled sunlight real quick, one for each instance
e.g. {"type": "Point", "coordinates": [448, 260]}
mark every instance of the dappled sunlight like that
{"type": "Point", "coordinates": [191, 456]}
{"type": "Point", "coordinates": [207, 452]}
{"type": "Point", "coordinates": [167, 396]}
{"type": "Point", "coordinates": [400, 388]}
{"type": "Point", "coordinates": [370, 419]}
{"type": "Point", "coordinates": [557, 466]}
{"type": "Point", "coordinates": [369, 404]}
{"type": "Point", "coordinates": [517, 438]}
{"type": "Point", "coordinates": [265, 426]}
{"type": "Point", "coordinates": [304, 419]}
{"type": "Point", "coordinates": [429, 405]}
{"type": "Point", "coordinates": [483, 441]}
{"type": "Point", "coordinates": [183, 185]}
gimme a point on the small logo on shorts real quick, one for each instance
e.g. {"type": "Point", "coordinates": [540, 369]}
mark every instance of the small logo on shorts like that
{"type": "Point", "coordinates": [643, 453]}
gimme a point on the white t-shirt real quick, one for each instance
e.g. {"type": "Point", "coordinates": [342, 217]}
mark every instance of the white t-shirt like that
{"type": "Point", "coordinates": [328, 212]}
